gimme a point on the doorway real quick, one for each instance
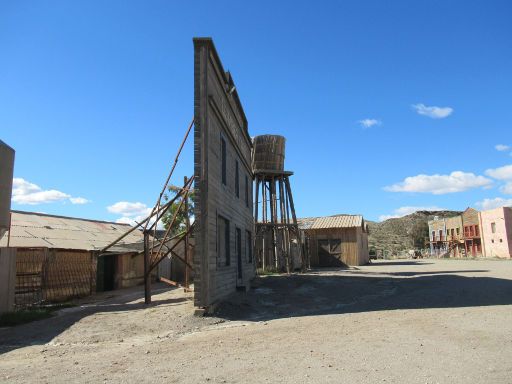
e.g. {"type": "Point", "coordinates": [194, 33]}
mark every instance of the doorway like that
{"type": "Point", "coordinates": [105, 273]}
{"type": "Point", "coordinates": [329, 253]}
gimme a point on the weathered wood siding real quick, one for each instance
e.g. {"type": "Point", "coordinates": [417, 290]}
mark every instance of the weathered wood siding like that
{"type": "Point", "coordinates": [53, 275]}
{"type": "Point", "coordinates": [354, 245]}
{"type": "Point", "coordinates": [218, 114]}
{"type": "Point", "coordinates": [129, 270]}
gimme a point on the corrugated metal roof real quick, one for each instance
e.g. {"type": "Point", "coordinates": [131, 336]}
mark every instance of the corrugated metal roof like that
{"type": "Point", "coordinates": [336, 221]}
{"type": "Point", "coordinates": [30, 229]}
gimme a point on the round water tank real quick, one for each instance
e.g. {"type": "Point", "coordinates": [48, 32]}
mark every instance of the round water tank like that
{"type": "Point", "coordinates": [6, 173]}
{"type": "Point", "coordinates": [268, 153]}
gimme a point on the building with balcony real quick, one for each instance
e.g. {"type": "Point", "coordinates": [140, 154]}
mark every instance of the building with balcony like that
{"type": "Point", "coordinates": [455, 236]}
{"type": "Point", "coordinates": [472, 237]}
{"type": "Point", "coordinates": [437, 236]}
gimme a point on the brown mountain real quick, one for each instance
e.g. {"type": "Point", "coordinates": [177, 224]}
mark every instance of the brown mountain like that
{"type": "Point", "coordinates": [403, 233]}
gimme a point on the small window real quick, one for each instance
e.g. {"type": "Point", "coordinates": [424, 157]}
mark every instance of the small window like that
{"type": "Point", "coordinates": [501, 240]}
{"type": "Point", "coordinates": [458, 231]}
{"type": "Point", "coordinates": [493, 227]}
{"type": "Point", "coordinates": [246, 191]}
{"type": "Point", "coordinates": [237, 180]}
{"type": "Point", "coordinates": [248, 245]}
{"type": "Point", "coordinates": [492, 241]}
{"type": "Point", "coordinates": [223, 160]}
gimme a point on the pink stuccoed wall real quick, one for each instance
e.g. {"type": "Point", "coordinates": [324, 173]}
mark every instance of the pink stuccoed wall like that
{"type": "Point", "coordinates": [503, 219]}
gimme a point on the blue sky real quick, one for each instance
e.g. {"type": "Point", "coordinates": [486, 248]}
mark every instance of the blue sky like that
{"type": "Point", "coordinates": [87, 88]}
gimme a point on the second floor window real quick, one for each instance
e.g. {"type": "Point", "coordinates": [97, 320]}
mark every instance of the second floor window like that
{"type": "Point", "coordinates": [223, 159]}
{"type": "Point", "coordinates": [237, 180]}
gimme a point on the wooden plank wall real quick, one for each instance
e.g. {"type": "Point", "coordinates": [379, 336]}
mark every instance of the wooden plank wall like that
{"type": "Point", "coordinates": [44, 275]}
{"type": "Point", "coordinates": [354, 244]}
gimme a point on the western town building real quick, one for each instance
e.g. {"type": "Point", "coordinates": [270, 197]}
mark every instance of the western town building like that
{"type": "Point", "coordinates": [437, 236]}
{"type": "Point", "coordinates": [57, 258]}
{"type": "Point", "coordinates": [472, 234]}
{"type": "Point", "coordinates": [497, 232]}
{"type": "Point", "coordinates": [223, 258]}
{"type": "Point", "coordinates": [335, 241]}
{"type": "Point", "coordinates": [454, 236]}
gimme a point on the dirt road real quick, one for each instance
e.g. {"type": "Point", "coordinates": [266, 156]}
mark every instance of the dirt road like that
{"type": "Point", "coordinates": [429, 321]}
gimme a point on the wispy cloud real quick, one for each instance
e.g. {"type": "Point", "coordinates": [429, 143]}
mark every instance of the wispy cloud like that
{"type": "Point", "coordinates": [131, 213]}
{"type": "Point", "coordinates": [368, 123]}
{"type": "Point", "coordinates": [494, 203]}
{"type": "Point", "coordinates": [27, 193]}
{"type": "Point", "coordinates": [507, 188]}
{"type": "Point", "coordinates": [500, 173]}
{"type": "Point", "coordinates": [501, 147]}
{"type": "Point", "coordinates": [79, 200]}
{"type": "Point", "coordinates": [440, 184]}
{"type": "Point", "coordinates": [404, 211]}
{"type": "Point", "coordinates": [433, 111]}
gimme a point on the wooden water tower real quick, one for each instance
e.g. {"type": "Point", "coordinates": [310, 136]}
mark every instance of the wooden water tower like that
{"type": "Point", "coordinates": [277, 241]}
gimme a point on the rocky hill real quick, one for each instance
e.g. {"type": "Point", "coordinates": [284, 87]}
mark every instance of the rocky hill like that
{"type": "Point", "coordinates": [401, 234]}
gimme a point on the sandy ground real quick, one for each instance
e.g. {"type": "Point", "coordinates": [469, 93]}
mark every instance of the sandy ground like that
{"type": "Point", "coordinates": [407, 321]}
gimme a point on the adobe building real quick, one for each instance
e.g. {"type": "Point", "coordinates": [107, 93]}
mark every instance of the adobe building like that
{"type": "Point", "coordinates": [335, 241]}
{"type": "Point", "coordinates": [497, 232]}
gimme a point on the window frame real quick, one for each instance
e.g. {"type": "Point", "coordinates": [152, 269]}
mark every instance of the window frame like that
{"type": "Point", "coordinates": [223, 160]}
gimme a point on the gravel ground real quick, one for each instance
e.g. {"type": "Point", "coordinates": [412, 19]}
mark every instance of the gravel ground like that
{"type": "Point", "coordinates": [406, 321]}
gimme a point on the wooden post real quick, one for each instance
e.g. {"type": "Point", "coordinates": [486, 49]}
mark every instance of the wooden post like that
{"type": "Point", "coordinates": [264, 220]}
{"type": "Point", "coordinates": [285, 234]}
{"type": "Point", "coordinates": [273, 220]}
{"type": "Point", "coordinates": [147, 270]}
{"type": "Point", "coordinates": [294, 218]}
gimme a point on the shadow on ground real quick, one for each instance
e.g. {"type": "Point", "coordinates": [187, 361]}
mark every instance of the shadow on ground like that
{"type": "Point", "coordinates": [406, 262]}
{"type": "Point", "coordinates": [44, 331]}
{"type": "Point", "coordinates": [325, 292]}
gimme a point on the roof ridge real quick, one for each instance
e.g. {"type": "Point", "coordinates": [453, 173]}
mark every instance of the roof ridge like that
{"type": "Point", "coordinates": [68, 217]}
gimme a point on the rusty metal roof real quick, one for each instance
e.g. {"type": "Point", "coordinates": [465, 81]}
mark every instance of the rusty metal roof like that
{"type": "Point", "coordinates": [336, 221]}
{"type": "Point", "coordinates": [29, 229]}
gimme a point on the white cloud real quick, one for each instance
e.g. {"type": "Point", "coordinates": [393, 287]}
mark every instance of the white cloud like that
{"type": "Point", "coordinates": [131, 213]}
{"type": "Point", "coordinates": [433, 112]}
{"type": "Point", "coordinates": [501, 173]}
{"type": "Point", "coordinates": [128, 209]}
{"type": "Point", "coordinates": [25, 192]}
{"type": "Point", "coordinates": [404, 211]}
{"type": "Point", "coordinates": [440, 184]}
{"type": "Point", "coordinates": [79, 200]}
{"type": "Point", "coordinates": [494, 203]}
{"type": "Point", "coordinates": [507, 188]}
{"type": "Point", "coordinates": [502, 147]}
{"type": "Point", "coordinates": [130, 220]}
{"type": "Point", "coordinates": [368, 123]}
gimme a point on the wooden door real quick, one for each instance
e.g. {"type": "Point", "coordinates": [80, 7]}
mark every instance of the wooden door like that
{"type": "Point", "coordinates": [323, 253]}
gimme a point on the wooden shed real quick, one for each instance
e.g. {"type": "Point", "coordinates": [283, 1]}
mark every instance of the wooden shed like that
{"type": "Point", "coordinates": [58, 259]}
{"type": "Point", "coordinates": [335, 241]}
